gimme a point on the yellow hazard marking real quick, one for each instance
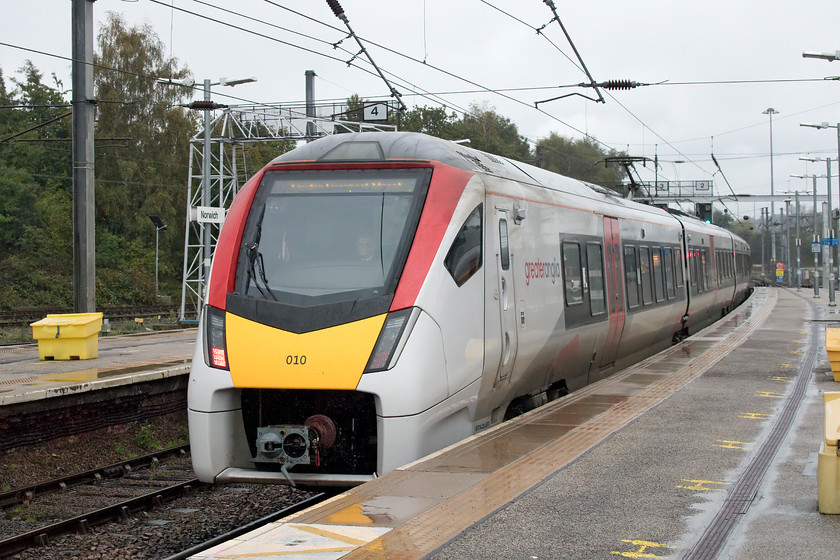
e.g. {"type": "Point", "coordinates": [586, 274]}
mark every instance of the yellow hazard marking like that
{"type": "Point", "coordinates": [352, 515]}
{"type": "Point", "coordinates": [329, 534]}
{"type": "Point", "coordinates": [700, 485]}
{"type": "Point", "coordinates": [754, 416]}
{"type": "Point", "coordinates": [307, 540]}
{"type": "Point", "coordinates": [642, 552]}
{"type": "Point", "coordinates": [795, 352]}
{"type": "Point", "coordinates": [732, 444]}
{"type": "Point", "coordinates": [769, 394]}
{"type": "Point", "coordinates": [289, 553]}
{"type": "Point", "coordinates": [785, 366]}
{"type": "Point", "coordinates": [780, 378]}
{"type": "Point", "coordinates": [798, 341]}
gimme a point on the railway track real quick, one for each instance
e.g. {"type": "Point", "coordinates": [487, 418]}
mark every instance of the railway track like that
{"type": "Point", "coordinates": [23, 317]}
{"type": "Point", "coordinates": [147, 507]}
{"type": "Point", "coordinates": [82, 500]}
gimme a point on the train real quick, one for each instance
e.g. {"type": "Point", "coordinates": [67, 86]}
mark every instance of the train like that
{"type": "Point", "coordinates": [377, 296]}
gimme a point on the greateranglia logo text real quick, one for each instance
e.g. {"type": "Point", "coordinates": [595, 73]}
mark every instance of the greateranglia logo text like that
{"type": "Point", "coordinates": [536, 270]}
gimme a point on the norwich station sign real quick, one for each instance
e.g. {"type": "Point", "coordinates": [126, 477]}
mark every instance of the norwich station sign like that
{"type": "Point", "coordinates": [208, 214]}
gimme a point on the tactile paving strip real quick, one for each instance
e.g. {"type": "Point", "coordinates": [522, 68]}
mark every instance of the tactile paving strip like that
{"type": "Point", "coordinates": [422, 534]}
{"type": "Point", "coordinates": [744, 490]}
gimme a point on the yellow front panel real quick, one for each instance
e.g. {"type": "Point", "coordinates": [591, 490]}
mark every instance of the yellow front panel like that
{"type": "Point", "coordinates": [265, 357]}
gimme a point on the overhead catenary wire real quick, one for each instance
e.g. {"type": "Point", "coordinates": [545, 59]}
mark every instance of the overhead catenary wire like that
{"type": "Point", "coordinates": [339, 13]}
{"type": "Point", "coordinates": [550, 4]}
{"type": "Point", "coordinates": [433, 67]}
{"type": "Point", "coordinates": [593, 84]}
{"type": "Point", "coordinates": [451, 105]}
{"type": "Point", "coordinates": [37, 126]}
{"type": "Point", "coordinates": [443, 71]}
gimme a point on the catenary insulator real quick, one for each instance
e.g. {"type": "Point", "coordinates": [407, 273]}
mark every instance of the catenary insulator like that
{"type": "Point", "coordinates": [336, 8]}
{"type": "Point", "coordinates": [203, 105]}
{"type": "Point", "coordinates": [619, 84]}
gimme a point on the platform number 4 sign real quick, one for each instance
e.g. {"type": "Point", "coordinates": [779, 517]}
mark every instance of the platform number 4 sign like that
{"type": "Point", "coordinates": [376, 112]}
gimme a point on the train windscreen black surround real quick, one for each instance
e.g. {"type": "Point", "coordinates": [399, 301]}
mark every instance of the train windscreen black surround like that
{"type": "Point", "coordinates": [323, 239]}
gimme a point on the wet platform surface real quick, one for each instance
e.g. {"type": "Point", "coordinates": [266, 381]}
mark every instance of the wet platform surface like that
{"type": "Point", "coordinates": [643, 464]}
{"type": "Point", "coordinates": [121, 360]}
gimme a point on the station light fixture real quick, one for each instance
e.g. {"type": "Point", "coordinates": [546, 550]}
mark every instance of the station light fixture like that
{"type": "Point", "coordinates": [830, 56]}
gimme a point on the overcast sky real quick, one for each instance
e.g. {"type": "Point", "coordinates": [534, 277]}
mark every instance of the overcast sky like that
{"type": "Point", "coordinates": [723, 62]}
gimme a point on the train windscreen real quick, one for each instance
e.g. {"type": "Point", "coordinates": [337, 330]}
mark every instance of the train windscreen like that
{"type": "Point", "coordinates": [329, 236]}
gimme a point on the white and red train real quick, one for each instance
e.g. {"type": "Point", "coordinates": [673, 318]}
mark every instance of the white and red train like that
{"type": "Point", "coordinates": [375, 297]}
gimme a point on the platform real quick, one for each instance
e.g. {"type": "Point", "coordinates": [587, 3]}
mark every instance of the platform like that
{"type": "Point", "coordinates": [707, 450]}
{"type": "Point", "coordinates": [122, 360]}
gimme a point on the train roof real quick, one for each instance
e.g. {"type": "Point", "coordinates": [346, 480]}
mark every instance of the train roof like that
{"type": "Point", "coordinates": [372, 146]}
{"type": "Point", "coordinates": [382, 146]}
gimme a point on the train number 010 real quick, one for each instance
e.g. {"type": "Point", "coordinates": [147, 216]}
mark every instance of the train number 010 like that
{"type": "Point", "coordinates": [295, 360]}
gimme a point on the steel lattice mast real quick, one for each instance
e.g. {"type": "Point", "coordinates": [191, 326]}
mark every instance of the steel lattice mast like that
{"type": "Point", "coordinates": [230, 130]}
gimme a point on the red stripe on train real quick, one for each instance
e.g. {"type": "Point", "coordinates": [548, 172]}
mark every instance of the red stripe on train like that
{"type": "Point", "coordinates": [445, 191]}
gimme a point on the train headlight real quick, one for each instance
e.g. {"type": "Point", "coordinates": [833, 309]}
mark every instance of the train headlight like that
{"type": "Point", "coordinates": [216, 350]}
{"type": "Point", "coordinates": [389, 344]}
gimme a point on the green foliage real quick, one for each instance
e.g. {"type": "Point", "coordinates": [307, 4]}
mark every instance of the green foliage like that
{"type": "Point", "coordinates": [722, 219]}
{"type": "Point", "coordinates": [490, 132]}
{"type": "Point", "coordinates": [145, 438]}
{"type": "Point", "coordinates": [581, 159]}
{"type": "Point", "coordinates": [430, 120]}
{"type": "Point", "coordinates": [258, 154]}
{"type": "Point", "coordinates": [142, 156]}
{"type": "Point", "coordinates": [142, 161]}
{"type": "Point", "coordinates": [485, 129]}
{"type": "Point", "coordinates": [355, 106]}
{"type": "Point", "coordinates": [35, 187]}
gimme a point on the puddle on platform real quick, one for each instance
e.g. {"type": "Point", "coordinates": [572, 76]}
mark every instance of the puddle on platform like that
{"type": "Point", "coordinates": [92, 374]}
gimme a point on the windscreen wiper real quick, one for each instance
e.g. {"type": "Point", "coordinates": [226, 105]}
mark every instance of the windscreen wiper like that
{"type": "Point", "coordinates": [253, 255]}
{"type": "Point", "coordinates": [256, 258]}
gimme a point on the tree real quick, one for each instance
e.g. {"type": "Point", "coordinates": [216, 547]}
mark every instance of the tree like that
{"type": "Point", "coordinates": [490, 132]}
{"type": "Point", "coordinates": [142, 162]}
{"type": "Point", "coordinates": [723, 219]}
{"type": "Point", "coordinates": [579, 159]}
{"type": "Point", "coordinates": [35, 187]}
{"type": "Point", "coordinates": [355, 109]}
{"type": "Point", "coordinates": [433, 121]}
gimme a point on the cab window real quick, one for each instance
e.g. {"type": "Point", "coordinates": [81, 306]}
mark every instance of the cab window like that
{"type": "Point", "coordinates": [464, 257]}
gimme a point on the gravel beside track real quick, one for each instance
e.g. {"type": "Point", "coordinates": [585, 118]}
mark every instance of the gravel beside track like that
{"type": "Point", "coordinates": [167, 529]}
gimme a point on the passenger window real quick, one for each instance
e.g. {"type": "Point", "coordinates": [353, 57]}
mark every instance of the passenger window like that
{"type": "Point", "coordinates": [678, 267]}
{"type": "Point", "coordinates": [572, 271]}
{"type": "Point", "coordinates": [647, 286]}
{"type": "Point", "coordinates": [669, 273]}
{"type": "Point", "coordinates": [464, 256]}
{"type": "Point", "coordinates": [595, 272]}
{"type": "Point", "coordinates": [658, 282]}
{"type": "Point", "coordinates": [697, 279]}
{"type": "Point", "coordinates": [504, 249]}
{"type": "Point", "coordinates": [631, 277]}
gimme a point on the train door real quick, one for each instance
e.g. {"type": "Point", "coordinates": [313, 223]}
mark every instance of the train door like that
{"type": "Point", "coordinates": [615, 291]}
{"type": "Point", "coordinates": [507, 299]}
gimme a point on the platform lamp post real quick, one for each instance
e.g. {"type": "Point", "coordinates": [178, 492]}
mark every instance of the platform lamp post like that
{"type": "Point", "coordinates": [829, 56]}
{"type": "Point", "coordinates": [786, 248]}
{"type": "Point", "coordinates": [798, 246]}
{"type": "Point", "coordinates": [159, 225]}
{"type": "Point", "coordinates": [771, 111]}
{"type": "Point", "coordinates": [828, 232]}
{"type": "Point", "coordinates": [837, 127]}
{"type": "Point", "coordinates": [817, 238]}
{"type": "Point", "coordinates": [206, 192]}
